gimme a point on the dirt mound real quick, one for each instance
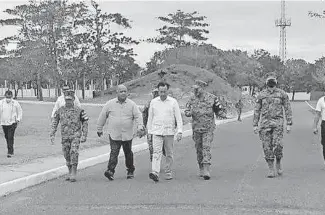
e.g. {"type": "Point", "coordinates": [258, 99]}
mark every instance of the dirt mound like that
{"type": "Point", "coordinates": [181, 78]}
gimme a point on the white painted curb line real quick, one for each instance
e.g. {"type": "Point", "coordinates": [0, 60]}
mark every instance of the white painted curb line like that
{"type": "Point", "coordinates": [31, 180]}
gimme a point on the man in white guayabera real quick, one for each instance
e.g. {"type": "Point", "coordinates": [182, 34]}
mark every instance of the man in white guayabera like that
{"type": "Point", "coordinates": [164, 121]}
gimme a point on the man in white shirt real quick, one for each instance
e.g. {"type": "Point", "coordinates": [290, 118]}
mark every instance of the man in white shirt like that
{"type": "Point", "coordinates": [320, 113]}
{"type": "Point", "coordinates": [10, 115]}
{"type": "Point", "coordinates": [164, 121]}
{"type": "Point", "coordinates": [60, 102]}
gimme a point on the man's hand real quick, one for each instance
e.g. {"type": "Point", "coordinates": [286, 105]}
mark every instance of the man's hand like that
{"type": "Point", "coordinates": [140, 128]}
{"type": "Point", "coordinates": [99, 133]}
{"type": "Point", "coordinates": [52, 138]}
{"type": "Point", "coordinates": [256, 129]}
{"type": "Point", "coordinates": [187, 113]}
{"type": "Point", "coordinates": [150, 137]}
{"type": "Point", "coordinates": [141, 132]}
{"type": "Point", "coordinates": [83, 139]}
{"type": "Point", "coordinates": [288, 128]}
{"type": "Point", "coordinates": [315, 131]}
{"type": "Point", "coordinates": [179, 136]}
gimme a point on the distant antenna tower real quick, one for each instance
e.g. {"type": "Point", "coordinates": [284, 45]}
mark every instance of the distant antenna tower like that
{"type": "Point", "coordinates": [283, 22]}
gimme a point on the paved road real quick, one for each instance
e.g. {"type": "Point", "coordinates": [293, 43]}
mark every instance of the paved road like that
{"type": "Point", "coordinates": [238, 185]}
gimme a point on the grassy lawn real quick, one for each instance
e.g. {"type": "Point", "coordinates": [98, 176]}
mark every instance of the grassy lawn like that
{"type": "Point", "coordinates": [32, 135]}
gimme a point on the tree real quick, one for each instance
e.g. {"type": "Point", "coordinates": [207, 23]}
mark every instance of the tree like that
{"type": "Point", "coordinates": [181, 27]}
{"type": "Point", "coordinates": [319, 73]}
{"type": "Point", "coordinates": [270, 64]}
{"type": "Point", "coordinates": [102, 42]}
{"type": "Point", "coordinates": [49, 23]}
{"type": "Point", "coordinates": [297, 76]}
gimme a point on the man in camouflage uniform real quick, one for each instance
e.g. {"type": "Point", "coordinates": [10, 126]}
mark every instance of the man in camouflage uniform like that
{"type": "Point", "coordinates": [202, 107]}
{"type": "Point", "coordinates": [74, 129]}
{"type": "Point", "coordinates": [270, 104]}
{"type": "Point", "coordinates": [145, 114]}
{"type": "Point", "coordinates": [239, 106]}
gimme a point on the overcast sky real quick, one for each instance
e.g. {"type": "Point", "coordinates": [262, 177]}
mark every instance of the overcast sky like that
{"type": "Point", "coordinates": [245, 25]}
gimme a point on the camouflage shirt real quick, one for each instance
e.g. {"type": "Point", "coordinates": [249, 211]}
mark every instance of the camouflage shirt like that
{"type": "Point", "coordinates": [202, 110]}
{"type": "Point", "coordinates": [239, 105]}
{"type": "Point", "coordinates": [269, 109]}
{"type": "Point", "coordinates": [74, 122]}
{"type": "Point", "coordinates": [145, 113]}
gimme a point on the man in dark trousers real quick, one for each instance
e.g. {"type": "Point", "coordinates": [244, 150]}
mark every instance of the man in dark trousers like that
{"type": "Point", "coordinates": [10, 115]}
{"type": "Point", "coordinates": [122, 114]}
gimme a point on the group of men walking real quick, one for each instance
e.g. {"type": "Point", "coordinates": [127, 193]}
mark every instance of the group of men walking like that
{"type": "Point", "coordinates": [162, 122]}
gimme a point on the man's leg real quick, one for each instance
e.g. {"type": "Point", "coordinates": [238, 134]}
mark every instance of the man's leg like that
{"type": "Point", "coordinates": [11, 138]}
{"type": "Point", "coordinates": [207, 139]}
{"type": "Point", "coordinates": [169, 150]}
{"type": "Point", "coordinates": [150, 146]}
{"type": "Point", "coordinates": [239, 115]}
{"type": "Point", "coordinates": [5, 129]}
{"type": "Point", "coordinates": [74, 155]}
{"type": "Point", "coordinates": [129, 162]}
{"type": "Point", "coordinates": [197, 137]}
{"type": "Point", "coordinates": [323, 138]}
{"type": "Point", "coordinates": [113, 158]}
{"type": "Point", "coordinates": [266, 138]}
{"type": "Point", "coordinates": [66, 146]}
{"type": "Point", "coordinates": [156, 158]}
{"type": "Point", "coordinates": [277, 137]}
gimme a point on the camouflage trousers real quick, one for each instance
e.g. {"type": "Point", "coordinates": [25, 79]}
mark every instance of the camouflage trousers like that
{"type": "Point", "coordinates": [239, 111]}
{"type": "Point", "coordinates": [272, 142]}
{"type": "Point", "coordinates": [70, 149]}
{"type": "Point", "coordinates": [203, 146]}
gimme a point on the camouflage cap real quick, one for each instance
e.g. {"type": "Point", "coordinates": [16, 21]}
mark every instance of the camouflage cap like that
{"type": "Point", "coordinates": [65, 87]}
{"type": "Point", "coordinates": [271, 76]}
{"type": "Point", "coordinates": [201, 83]}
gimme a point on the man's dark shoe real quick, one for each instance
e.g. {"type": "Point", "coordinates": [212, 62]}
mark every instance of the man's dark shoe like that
{"type": "Point", "coordinates": [9, 155]}
{"type": "Point", "coordinates": [109, 174]}
{"type": "Point", "coordinates": [154, 177]}
{"type": "Point", "coordinates": [130, 175]}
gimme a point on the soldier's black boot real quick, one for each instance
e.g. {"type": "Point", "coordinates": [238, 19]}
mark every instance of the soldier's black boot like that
{"type": "Point", "coordinates": [73, 173]}
{"type": "Point", "coordinates": [206, 171]}
{"type": "Point", "coordinates": [278, 166]}
{"type": "Point", "coordinates": [271, 173]}
{"type": "Point", "coordinates": [69, 175]}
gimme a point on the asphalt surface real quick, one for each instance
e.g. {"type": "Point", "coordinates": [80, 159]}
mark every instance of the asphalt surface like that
{"type": "Point", "coordinates": [238, 184]}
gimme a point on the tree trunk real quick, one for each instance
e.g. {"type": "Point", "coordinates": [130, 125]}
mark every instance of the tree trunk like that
{"type": "Point", "coordinates": [39, 87]}
{"type": "Point", "coordinates": [83, 85]}
{"type": "Point", "coordinates": [101, 85]}
{"type": "Point", "coordinates": [22, 91]}
{"type": "Point", "coordinates": [293, 95]}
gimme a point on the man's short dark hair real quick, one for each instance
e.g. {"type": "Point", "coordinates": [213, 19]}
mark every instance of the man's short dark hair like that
{"type": "Point", "coordinates": [8, 93]}
{"type": "Point", "coordinates": [163, 84]}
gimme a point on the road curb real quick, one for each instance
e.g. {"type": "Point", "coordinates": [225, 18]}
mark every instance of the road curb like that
{"type": "Point", "coordinates": [38, 178]}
